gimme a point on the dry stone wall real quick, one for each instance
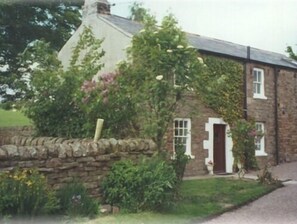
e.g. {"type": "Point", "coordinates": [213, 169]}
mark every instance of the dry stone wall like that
{"type": "Point", "coordinates": [7, 132]}
{"type": "Point", "coordinates": [62, 160]}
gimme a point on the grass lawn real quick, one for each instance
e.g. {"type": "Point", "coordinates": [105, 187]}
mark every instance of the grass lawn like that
{"type": "Point", "coordinates": [10, 118]}
{"type": "Point", "coordinates": [199, 199]}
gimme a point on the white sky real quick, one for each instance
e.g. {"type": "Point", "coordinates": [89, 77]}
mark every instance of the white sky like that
{"type": "Point", "coordinates": [266, 24]}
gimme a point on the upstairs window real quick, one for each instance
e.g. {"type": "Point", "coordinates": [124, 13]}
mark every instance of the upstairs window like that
{"type": "Point", "coordinates": [182, 134]}
{"type": "Point", "coordinates": [258, 83]}
{"type": "Point", "coordinates": [260, 139]}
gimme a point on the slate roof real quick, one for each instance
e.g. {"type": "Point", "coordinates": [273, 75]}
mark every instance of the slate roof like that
{"type": "Point", "coordinates": [214, 46]}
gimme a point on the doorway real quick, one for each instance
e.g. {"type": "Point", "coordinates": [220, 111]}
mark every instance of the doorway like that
{"type": "Point", "coordinates": [219, 148]}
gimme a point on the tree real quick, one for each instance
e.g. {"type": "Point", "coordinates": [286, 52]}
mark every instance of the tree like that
{"type": "Point", "coordinates": [291, 53]}
{"type": "Point", "coordinates": [138, 13]}
{"type": "Point", "coordinates": [23, 22]}
{"type": "Point", "coordinates": [161, 67]}
{"type": "Point", "coordinates": [56, 98]}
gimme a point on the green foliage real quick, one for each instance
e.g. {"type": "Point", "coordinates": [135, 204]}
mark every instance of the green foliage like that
{"type": "Point", "coordinates": [25, 192]}
{"type": "Point", "coordinates": [291, 53]}
{"type": "Point", "coordinates": [158, 58]}
{"type": "Point", "coordinates": [109, 100]}
{"type": "Point", "coordinates": [55, 102]}
{"type": "Point", "coordinates": [179, 163]}
{"type": "Point", "coordinates": [23, 22]}
{"type": "Point", "coordinates": [148, 185]}
{"type": "Point", "coordinates": [265, 177]}
{"type": "Point", "coordinates": [200, 199]}
{"type": "Point", "coordinates": [138, 13]}
{"type": "Point", "coordinates": [75, 201]}
{"type": "Point", "coordinates": [221, 87]}
{"type": "Point", "coordinates": [243, 134]}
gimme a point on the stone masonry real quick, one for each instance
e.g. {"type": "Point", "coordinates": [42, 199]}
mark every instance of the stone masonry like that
{"type": "Point", "coordinates": [62, 160]}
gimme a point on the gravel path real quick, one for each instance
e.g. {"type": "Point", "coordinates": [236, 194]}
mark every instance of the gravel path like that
{"type": "Point", "coordinates": [280, 206]}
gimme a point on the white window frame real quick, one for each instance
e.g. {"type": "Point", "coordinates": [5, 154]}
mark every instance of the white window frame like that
{"type": "Point", "coordinates": [182, 134]}
{"type": "Point", "coordinates": [260, 73]}
{"type": "Point", "coordinates": [260, 140]}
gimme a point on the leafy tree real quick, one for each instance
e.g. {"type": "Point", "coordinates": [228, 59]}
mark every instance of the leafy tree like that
{"type": "Point", "coordinates": [138, 13]}
{"type": "Point", "coordinates": [291, 53]}
{"type": "Point", "coordinates": [23, 22]}
{"type": "Point", "coordinates": [56, 102]}
{"type": "Point", "coordinates": [160, 69]}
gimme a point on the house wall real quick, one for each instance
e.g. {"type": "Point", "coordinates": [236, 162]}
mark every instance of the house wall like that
{"type": "Point", "coordinates": [262, 110]}
{"type": "Point", "coordinates": [287, 115]}
{"type": "Point", "coordinates": [191, 107]}
{"type": "Point", "coordinates": [114, 44]}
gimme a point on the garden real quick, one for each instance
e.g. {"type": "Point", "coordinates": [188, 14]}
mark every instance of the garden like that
{"type": "Point", "coordinates": [67, 104]}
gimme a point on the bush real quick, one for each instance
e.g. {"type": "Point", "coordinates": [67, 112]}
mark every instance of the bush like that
{"type": "Point", "coordinates": [75, 201]}
{"type": "Point", "coordinates": [148, 185]}
{"type": "Point", "coordinates": [265, 177]}
{"type": "Point", "coordinates": [243, 134]}
{"type": "Point", "coordinates": [180, 161]}
{"type": "Point", "coordinates": [25, 192]}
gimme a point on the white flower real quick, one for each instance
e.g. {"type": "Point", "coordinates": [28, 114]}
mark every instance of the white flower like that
{"type": "Point", "coordinates": [190, 47]}
{"type": "Point", "coordinates": [22, 69]}
{"type": "Point", "coordinates": [156, 32]}
{"type": "Point", "coordinates": [200, 60]}
{"type": "Point", "coordinates": [159, 77]}
{"type": "Point", "coordinates": [180, 46]}
{"type": "Point", "coordinates": [141, 31]}
{"type": "Point", "coordinates": [169, 51]}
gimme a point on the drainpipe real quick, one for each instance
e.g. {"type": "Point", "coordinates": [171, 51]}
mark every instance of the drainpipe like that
{"type": "Point", "coordinates": [245, 71]}
{"type": "Point", "coordinates": [276, 73]}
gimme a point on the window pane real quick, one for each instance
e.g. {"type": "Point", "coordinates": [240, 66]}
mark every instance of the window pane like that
{"type": "Point", "coordinates": [180, 124]}
{"type": "Point", "coordinates": [255, 76]}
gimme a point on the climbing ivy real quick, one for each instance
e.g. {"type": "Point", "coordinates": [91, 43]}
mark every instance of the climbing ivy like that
{"type": "Point", "coordinates": [220, 87]}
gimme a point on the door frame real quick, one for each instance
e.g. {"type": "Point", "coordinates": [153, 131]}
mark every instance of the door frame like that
{"type": "Point", "coordinates": [208, 144]}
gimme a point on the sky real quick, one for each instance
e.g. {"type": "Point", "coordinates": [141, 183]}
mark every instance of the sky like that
{"type": "Point", "coordinates": [265, 24]}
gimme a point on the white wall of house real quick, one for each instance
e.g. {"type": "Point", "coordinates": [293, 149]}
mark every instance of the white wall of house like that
{"type": "Point", "coordinates": [114, 40]}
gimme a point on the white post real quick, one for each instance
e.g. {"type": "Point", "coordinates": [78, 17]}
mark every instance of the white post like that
{"type": "Point", "coordinates": [99, 126]}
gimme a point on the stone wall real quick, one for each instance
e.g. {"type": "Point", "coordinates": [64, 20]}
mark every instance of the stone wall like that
{"type": "Point", "coordinates": [7, 132]}
{"type": "Point", "coordinates": [287, 115]}
{"type": "Point", "coordinates": [62, 160]}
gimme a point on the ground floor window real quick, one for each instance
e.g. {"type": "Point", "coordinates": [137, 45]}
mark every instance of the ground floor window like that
{"type": "Point", "coordinates": [182, 134]}
{"type": "Point", "coordinates": [260, 139]}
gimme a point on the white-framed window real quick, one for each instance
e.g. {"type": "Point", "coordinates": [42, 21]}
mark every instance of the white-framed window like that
{"type": "Point", "coordinates": [182, 134]}
{"type": "Point", "coordinates": [260, 139]}
{"type": "Point", "coordinates": [258, 83]}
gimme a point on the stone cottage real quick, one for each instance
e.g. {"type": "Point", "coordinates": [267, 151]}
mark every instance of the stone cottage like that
{"type": "Point", "coordinates": [270, 90]}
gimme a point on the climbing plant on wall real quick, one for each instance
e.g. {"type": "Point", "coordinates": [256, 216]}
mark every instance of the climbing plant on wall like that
{"type": "Point", "coordinates": [220, 87]}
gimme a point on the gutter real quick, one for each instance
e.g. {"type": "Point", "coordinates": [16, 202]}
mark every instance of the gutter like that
{"type": "Point", "coordinates": [245, 71]}
{"type": "Point", "coordinates": [276, 74]}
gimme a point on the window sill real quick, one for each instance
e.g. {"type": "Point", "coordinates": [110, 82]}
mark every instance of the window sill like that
{"type": "Point", "coordinates": [261, 97]}
{"type": "Point", "coordinates": [261, 154]}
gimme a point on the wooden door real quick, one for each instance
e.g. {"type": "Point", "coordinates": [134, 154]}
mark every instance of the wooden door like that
{"type": "Point", "coordinates": [219, 152]}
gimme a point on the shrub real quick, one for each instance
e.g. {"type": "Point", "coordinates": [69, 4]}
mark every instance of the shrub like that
{"type": "Point", "coordinates": [179, 164]}
{"type": "Point", "coordinates": [265, 177]}
{"type": "Point", "coordinates": [148, 185]}
{"type": "Point", "coordinates": [25, 192]}
{"type": "Point", "coordinates": [243, 134]}
{"type": "Point", "coordinates": [75, 201]}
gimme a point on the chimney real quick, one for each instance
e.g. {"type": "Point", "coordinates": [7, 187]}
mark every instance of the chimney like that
{"type": "Point", "coordinates": [96, 6]}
